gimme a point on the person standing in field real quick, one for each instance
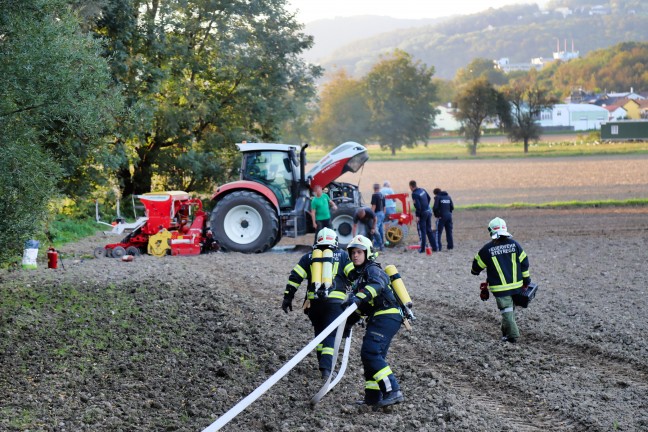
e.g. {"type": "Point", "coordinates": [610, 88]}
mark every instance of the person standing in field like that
{"type": "Point", "coordinates": [378, 207]}
{"type": "Point", "coordinates": [390, 206]}
{"type": "Point", "coordinates": [442, 209]}
{"type": "Point", "coordinates": [507, 274]}
{"type": "Point", "coordinates": [423, 215]}
{"type": "Point", "coordinates": [321, 205]}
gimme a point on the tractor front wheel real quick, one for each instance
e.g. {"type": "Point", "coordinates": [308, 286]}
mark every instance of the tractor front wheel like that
{"type": "Point", "coordinates": [244, 221]}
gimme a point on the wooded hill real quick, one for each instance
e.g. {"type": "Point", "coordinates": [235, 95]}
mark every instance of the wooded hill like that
{"type": "Point", "coordinates": [519, 32]}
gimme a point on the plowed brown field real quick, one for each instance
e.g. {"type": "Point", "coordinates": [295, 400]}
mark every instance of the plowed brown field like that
{"type": "Point", "coordinates": [532, 180]}
{"type": "Point", "coordinates": [170, 344]}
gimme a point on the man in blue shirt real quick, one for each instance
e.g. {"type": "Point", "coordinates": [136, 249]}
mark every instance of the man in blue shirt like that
{"type": "Point", "coordinates": [421, 200]}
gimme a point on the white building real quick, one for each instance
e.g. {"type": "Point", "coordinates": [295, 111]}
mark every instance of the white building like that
{"type": "Point", "coordinates": [580, 117]}
{"type": "Point", "coordinates": [446, 120]}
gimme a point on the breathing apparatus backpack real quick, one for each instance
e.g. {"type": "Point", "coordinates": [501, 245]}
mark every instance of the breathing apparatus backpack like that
{"type": "Point", "coordinates": [401, 294]}
{"type": "Point", "coordinates": [322, 272]}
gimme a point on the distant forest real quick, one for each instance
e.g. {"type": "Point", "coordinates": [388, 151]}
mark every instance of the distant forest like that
{"type": "Point", "coordinates": [519, 32]}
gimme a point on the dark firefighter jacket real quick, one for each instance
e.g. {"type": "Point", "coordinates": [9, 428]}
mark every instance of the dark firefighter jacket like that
{"type": "Point", "coordinates": [372, 287]}
{"type": "Point", "coordinates": [506, 264]}
{"type": "Point", "coordinates": [342, 266]}
{"type": "Point", "coordinates": [421, 201]}
{"type": "Point", "coordinates": [443, 205]}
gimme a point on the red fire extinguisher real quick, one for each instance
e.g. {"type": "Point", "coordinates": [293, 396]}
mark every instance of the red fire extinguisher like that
{"type": "Point", "coordinates": [52, 258]}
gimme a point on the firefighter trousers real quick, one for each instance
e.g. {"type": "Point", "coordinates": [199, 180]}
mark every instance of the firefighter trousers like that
{"type": "Point", "coordinates": [507, 309]}
{"type": "Point", "coordinates": [379, 378]}
{"type": "Point", "coordinates": [322, 313]}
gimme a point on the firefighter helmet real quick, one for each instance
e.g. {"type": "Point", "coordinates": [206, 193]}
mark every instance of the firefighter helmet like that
{"type": "Point", "coordinates": [326, 237]}
{"type": "Point", "coordinates": [363, 243]}
{"type": "Point", "coordinates": [497, 228]}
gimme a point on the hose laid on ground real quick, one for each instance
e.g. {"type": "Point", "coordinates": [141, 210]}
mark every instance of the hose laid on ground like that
{"type": "Point", "coordinates": [247, 401]}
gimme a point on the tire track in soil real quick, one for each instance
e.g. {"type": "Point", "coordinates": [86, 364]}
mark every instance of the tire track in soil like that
{"type": "Point", "coordinates": [605, 367]}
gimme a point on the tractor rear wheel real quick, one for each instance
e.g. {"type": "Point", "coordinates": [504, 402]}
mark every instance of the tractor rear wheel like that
{"type": "Point", "coordinates": [244, 221]}
{"type": "Point", "coordinates": [342, 222]}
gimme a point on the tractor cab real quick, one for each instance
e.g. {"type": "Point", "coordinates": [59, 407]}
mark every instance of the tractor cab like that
{"type": "Point", "coordinates": [275, 166]}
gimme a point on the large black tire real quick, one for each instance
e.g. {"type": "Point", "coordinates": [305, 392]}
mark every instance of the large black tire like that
{"type": "Point", "coordinates": [244, 221]}
{"type": "Point", "coordinates": [342, 223]}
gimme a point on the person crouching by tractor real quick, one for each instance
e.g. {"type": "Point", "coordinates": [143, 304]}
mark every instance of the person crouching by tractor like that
{"type": "Point", "coordinates": [375, 299]}
{"type": "Point", "coordinates": [327, 270]}
{"type": "Point", "coordinates": [507, 274]}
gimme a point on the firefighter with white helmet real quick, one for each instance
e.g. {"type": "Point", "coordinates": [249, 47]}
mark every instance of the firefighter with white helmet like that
{"type": "Point", "coordinates": [375, 299]}
{"type": "Point", "coordinates": [327, 269]}
{"type": "Point", "coordinates": [507, 273]}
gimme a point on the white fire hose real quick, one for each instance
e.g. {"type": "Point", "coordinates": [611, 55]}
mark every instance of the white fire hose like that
{"type": "Point", "coordinates": [247, 401]}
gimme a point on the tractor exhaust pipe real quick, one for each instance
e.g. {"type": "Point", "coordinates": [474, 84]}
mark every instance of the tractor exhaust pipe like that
{"type": "Point", "coordinates": [302, 164]}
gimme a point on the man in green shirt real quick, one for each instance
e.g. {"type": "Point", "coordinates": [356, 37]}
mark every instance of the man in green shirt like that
{"type": "Point", "coordinates": [320, 209]}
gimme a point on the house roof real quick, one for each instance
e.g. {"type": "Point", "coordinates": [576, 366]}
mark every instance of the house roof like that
{"type": "Point", "coordinates": [612, 108]}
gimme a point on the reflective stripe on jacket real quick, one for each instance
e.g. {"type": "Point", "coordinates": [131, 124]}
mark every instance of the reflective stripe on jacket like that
{"type": "Point", "coordinates": [506, 264]}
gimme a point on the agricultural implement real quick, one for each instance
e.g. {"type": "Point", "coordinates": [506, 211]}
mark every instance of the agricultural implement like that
{"type": "Point", "coordinates": [173, 224]}
{"type": "Point", "coordinates": [397, 225]}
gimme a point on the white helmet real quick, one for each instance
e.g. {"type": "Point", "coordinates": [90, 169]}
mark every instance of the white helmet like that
{"type": "Point", "coordinates": [497, 228]}
{"type": "Point", "coordinates": [363, 243]}
{"type": "Point", "coordinates": [326, 237]}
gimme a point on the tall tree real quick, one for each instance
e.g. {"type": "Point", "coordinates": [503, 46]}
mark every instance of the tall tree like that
{"type": "Point", "coordinates": [200, 75]}
{"type": "Point", "coordinates": [527, 101]}
{"type": "Point", "coordinates": [343, 112]}
{"type": "Point", "coordinates": [477, 102]}
{"type": "Point", "coordinates": [56, 103]}
{"type": "Point", "coordinates": [401, 97]}
{"type": "Point", "coordinates": [480, 68]}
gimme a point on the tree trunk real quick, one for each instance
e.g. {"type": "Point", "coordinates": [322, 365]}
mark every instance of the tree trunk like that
{"type": "Point", "coordinates": [526, 145]}
{"type": "Point", "coordinates": [473, 147]}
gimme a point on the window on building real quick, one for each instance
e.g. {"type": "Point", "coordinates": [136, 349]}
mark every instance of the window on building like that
{"type": "Point", "coordinates": [614, 129]}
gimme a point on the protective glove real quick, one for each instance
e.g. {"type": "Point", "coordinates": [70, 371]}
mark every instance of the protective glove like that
{"type": "Point", "coordinates": [484, 294]}
{"type": "Point", "coordinates": [286, 304]}
{"type": "Point", "coordinates": [348, 302]}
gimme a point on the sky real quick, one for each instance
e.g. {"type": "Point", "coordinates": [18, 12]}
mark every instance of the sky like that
{"type": "Point", "coordinates": [311, 10]}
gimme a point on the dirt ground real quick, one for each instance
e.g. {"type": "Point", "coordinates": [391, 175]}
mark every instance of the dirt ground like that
{"type": "Point", "coordinates": [170, 344]}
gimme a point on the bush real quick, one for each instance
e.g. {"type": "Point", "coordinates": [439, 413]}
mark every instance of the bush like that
{"type": "Point", "coordinates": [27, 182]}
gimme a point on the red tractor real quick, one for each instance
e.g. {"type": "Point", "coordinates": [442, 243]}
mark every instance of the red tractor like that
{"type": "Point", "coordinates": [174, 224]}
{"type": "Point", "coordinates": [272, 197]}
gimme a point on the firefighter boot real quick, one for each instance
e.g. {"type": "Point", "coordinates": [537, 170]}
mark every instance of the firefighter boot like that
{"type": "Point", "coordinates": [391, 398]}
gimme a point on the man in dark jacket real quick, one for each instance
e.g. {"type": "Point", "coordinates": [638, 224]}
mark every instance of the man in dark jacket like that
{"type": "Point", "coordinates": [421, 200]}
{"type": "Point", "coordinates": [507, 273]}
{"type": "Point", "coordinates": [442, 210]}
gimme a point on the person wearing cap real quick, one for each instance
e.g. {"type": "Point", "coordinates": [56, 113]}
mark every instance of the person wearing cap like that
{"type": "Point", "coordinates": [442, 209]}
{"type": "Point", "coordinates": [378, 207]}
{"type": "Point", "coordinates": [507, 273]}
{"type": "Point", "coordinates": [323, 306]}
{"type": "Point", "coordinates": [372, 293]}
